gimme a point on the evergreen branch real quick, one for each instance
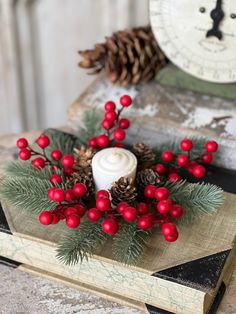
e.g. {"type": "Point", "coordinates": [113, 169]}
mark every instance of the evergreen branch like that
{"type": "Point", "coordinates": [24, 169]}
{"type": "Point", "coordinates": [27, 193]}
{"type": "Point", "coordinates": [91, 126]}
{"type": "Point", "coordinates": [81, 243]}
{"type": "Point", "coordinates": [196, 198]}
{"type": "Point", "coordinates": [63, 141]}
{"type": "Point", "coordinates": [129, 244]}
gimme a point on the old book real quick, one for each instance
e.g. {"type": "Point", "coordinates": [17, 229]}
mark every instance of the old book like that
{"type": "Point", "coordinates": [183, 277]}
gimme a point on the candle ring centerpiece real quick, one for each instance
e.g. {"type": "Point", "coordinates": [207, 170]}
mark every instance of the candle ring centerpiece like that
{"type": "Point", "coordinates": [105, 188]}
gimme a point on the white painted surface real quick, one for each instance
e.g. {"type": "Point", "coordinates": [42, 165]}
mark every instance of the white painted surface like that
{"type": "Point", "coordinates": [39, 41]}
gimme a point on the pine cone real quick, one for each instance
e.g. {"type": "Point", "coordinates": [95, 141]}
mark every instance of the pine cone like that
{"type": "Point", "coordinates": [128, 57]}
{"type": "Point", "coordinates": [84, 176]}
{"type": "Point", "coordinates": [83, 157]}
{"type": "Point", "coordinates": [147, 177]}
{"type": "Point", "coordinates": [123, 190]}
{"type": "Point", "coordinates": [144, 154]}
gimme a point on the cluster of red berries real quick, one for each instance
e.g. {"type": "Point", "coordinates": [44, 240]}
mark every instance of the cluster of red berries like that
{"type": "Point", "coordinates": [69, 208]}
{"type": "Point", "coordinates": [64, 164]}
{"type": "Point", "coordinates": [112, 124]}
{"type": "Point", "coordinates": [194, 165]}
{"type": "Point", "coordinates": [145, 215]}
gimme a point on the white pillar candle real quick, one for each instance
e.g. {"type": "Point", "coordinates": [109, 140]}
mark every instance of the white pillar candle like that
{"type": "Point", "coordinates": [110, 164]}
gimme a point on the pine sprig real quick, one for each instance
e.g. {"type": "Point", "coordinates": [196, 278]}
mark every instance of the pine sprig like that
{"type": "Point", "coordinates": [91, 126]}
{"type": "Point", "coordinates": [24, 169]}
{"type": "Point", "coordinates": [196, 198]}
{"type": "Point", "coordinates": [129, 244]}
{"type": "Point", "coordinates": [27, 193]}
{"type": "Point", "coordinates": [63, 141]}
{"type": "Point", "coordinates": [79, 244]}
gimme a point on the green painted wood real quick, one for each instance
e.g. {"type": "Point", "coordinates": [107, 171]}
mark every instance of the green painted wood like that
{"type": "Point", "coordinates": [172, 76]}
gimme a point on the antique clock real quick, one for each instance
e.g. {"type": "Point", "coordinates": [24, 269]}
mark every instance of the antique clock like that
{"type": "Point", "coordinates": [198, 36]}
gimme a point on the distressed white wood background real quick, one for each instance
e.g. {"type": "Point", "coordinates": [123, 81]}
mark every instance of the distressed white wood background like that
{"type": "Point", "coordinates": [39, 40]}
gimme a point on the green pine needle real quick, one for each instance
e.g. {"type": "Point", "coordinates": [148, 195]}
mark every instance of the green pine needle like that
{"type": "Point", "coordinates": [77, 245]}
{"type": "Point", "coordinates": [91, 126]}
{"type": "Point", "coordinates": [196, 198]}
{"type": "Point", "coordinates": [27, 193]}
{"type": "Point", "coordinates": [129, 244]}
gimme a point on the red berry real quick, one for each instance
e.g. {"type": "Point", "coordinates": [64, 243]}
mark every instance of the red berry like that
{"type": "Point", "coordinates": [56, 178]}
{"type": "Point", "coordinates": [129, 214]}
{"type": "Point", "coordinates": [55, 219]}
{"type": "Point", "coordinates": [38, 163]}
{"type": "Point", "coordinates": [79, 189]}
{"type": "Point", "coordinates": [119, 135]}
{"type": "Point", "coordinates": [124, 123]}
{"type": "Point", "coordinates": [103, 193]}
{"type": "Point", "coordinates": [110, 226]}
{"type": "Point", "coordinates": [43, 141]}
{"type": "Point", "coordinates": [22, 143]}
{"type": "Point", "coordinates": [191, 166]}
{"type": "Point", "coordinates": [103, 204]}
{"type": "Point", "coordinates": [186, 145]}
{"type": "Point", "coordinates": [160, 169]}
{"type": "Point", "coordinates": [125, 101]}
{"type": "Point", "coordinates": [93, 214]}
{"type": "Point", "coordinates": [149, 191]}
{"type": "Point", "coordinates": [207, 158]}
{"type": "Point", "coordinates": [121, 206]}
{"type": "Point", "coordinates": [67, 161]}
{"type": "Point", "coordinates": [144, 222]}
{"type": "Point", "coordinates": [103, 140]}
{"type": "Point", "coordinates": [80, 210]}
{"type": "Point", "coordinates": [51, 193]}
{"type": "Point", "coordinates": [69, 195]}
{"type": "Point", "coordinates": [69, 211]}
{"type": "Point", "coordinates": [58, 195]}
{"type": "Point", "coordinates": [45, 218]}
{"type": "Point", "coordinates": [92, 142]}
{"type": "Point", "coordinates": [176, 211]}
{"type": "Point", "coordinates": [164, 207]}
{"type": "Point", "coordinates": [167, 156]}
{"type": "Point", "coordinates": [161, 194]}
{"type": "Point", "coordinates": [106, 124]}
{"type": "Point", "coordinates": [172, 238]}
{"type": "Point", "coordinates": [174, 177]}
{"type": "Point", "coordinates": [24, 154]}
{"type": "Point", "coordinates": [72, 221]}
{"type": "Point", "coordinates": [199, 171]}
{"type": "Point", "coordinates": [120, 145]}
{"type": "Point", "coordinates": [142, 208]}
{"type": "Point", "coordinates": [110, 105]}
{"type": "Point", "coordinates": [168, 229]}
{"type": "Point", "coordinates": [111, 115]}
{"type": "Point", "coordinates": [211, 146]}
{"type": "Point", "coordinates": [182, 160]}
{"type": "Point", "coordinates": [68, 171]}
{"type": "Point", "coordinates": [56, 154]}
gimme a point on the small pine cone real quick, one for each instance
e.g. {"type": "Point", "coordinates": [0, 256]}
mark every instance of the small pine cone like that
{"type": "Point", "coordinates": [84, 176]}
{"type": "Point", "coordinates": [128, 56]}
{"type": "Point", "coordinates": [147, 177]}
{"type": "Point", "coordinates": [123, 190]}
{"type": "Point", "coordinates": [144, 154]}
{"type": "Point", "coordinates": [83, 157]}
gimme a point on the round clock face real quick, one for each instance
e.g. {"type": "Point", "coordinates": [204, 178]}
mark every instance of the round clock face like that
{"type": "Point", "coordinates": [199, 36]}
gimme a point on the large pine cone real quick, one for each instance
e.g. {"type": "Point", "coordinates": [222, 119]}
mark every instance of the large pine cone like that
{"type": "Point", "coordinates": [128, 57]}
{"type": "Point", "coordinates": [145, 156]}
{"type": "Point", "coordinates": [147, 177]}
{"type": "Point", "coordinates": [123, 190]}
{"type": "Point", "coordinates": [84, 176]}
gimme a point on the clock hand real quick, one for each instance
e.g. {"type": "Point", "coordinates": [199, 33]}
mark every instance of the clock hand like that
{"type": "Point", "coordinates": [217, 16]}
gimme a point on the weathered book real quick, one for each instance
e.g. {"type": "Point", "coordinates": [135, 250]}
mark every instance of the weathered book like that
{"type": "Point", "coordinates": [188, 276]}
